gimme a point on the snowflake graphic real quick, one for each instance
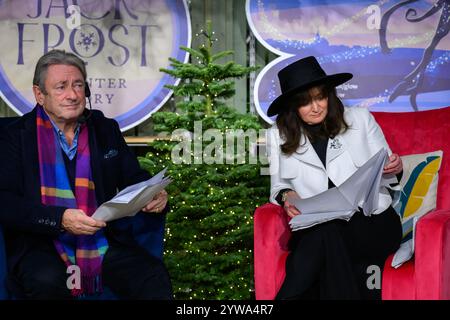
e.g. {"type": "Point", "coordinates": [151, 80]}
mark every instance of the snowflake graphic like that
{"type": "Point", "coordinates": [87, 41]}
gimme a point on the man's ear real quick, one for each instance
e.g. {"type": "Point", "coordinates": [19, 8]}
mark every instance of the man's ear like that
{"type": "Point", "coordinates": [38, 95]}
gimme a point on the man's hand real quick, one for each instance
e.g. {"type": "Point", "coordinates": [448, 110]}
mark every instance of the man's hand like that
{"type": "Point", "coordinates": [158, 203]}
{"type": "Point", "coordinates": [290, 209]}
{"type": "Point", "coordinates": [78, 223]}
{"type": "Point", "coordinates": [395, 164]}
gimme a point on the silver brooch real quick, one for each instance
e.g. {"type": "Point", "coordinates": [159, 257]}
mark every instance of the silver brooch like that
{"type": "Point", "coordinates": [335, 144]}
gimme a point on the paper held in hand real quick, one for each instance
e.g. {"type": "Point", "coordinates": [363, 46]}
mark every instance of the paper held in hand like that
{"type": "Point", "coordinates": [132, 199]}
{"type": "Point", "coordinates": [360, 190]}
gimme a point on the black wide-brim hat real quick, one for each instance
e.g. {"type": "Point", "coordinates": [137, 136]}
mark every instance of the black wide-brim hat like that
{"type": "Point", "coordinates": [301, 75]}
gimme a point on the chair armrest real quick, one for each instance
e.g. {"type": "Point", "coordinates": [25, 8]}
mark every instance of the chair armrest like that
{"type": "Point", "coordinates": [398, 284]}
{"type": "Point", "coordinates": [432, 256]}
{"type": "Point", "coordinates": [271, 237]}
{"type": "Point", "coordinates": [149, 231]}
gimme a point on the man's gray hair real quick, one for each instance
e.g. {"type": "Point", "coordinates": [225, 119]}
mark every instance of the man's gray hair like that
{"type": "Point", "coordinates": [55, 57]}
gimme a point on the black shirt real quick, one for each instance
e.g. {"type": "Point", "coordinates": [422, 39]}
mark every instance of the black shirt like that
{"type": "Point", "coordinates": [320, 146]}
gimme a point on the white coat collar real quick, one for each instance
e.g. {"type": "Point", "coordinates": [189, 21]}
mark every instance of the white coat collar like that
{"type": "Point", "coordinates": [306, 153]}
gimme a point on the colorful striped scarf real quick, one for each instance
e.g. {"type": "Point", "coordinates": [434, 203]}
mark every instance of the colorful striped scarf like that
{"type": "Point", "coordinates": [86, 252]}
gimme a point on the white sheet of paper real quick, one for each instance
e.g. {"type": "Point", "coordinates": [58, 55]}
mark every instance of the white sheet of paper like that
{"type": "Point", "coordinates": [130, 192]}
{"type": "Point", "coordinates": [403, 254]}
{"type": "Point", "coordinates": [341, 202]}
{"type": "Point", "coordinates": [132, 199]}
{"type": "Point", "coordinates": [406, 250]}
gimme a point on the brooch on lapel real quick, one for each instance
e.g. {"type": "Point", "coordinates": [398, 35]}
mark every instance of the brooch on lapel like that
{"type": "Point", "coordinates": [111, 153]}
{"type": "Point", "coordinates": [335, 144]}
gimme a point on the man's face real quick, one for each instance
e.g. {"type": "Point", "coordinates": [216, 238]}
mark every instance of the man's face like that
{"type": "Point", "coordinates": [65, 99]}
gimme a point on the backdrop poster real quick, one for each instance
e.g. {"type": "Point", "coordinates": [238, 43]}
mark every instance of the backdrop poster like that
{"type": "Point", "coordinates": [123, 42]}
{"type": "Point", "coordinates": [398, 51]}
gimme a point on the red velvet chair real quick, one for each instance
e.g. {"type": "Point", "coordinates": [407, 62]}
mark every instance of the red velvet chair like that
{"type": "Point", "coordinates": [427, 275]}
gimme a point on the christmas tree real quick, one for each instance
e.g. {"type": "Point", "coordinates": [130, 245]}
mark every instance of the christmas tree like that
{"type": "Point", "coordinates": [217, 178]}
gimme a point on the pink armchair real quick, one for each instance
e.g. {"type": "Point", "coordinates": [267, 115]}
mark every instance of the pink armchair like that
{"type": "Point", "coordinates": [427, 275]}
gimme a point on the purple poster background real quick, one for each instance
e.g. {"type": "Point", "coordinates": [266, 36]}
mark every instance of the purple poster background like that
{"type": "Point", "coordinates": [399, 53]}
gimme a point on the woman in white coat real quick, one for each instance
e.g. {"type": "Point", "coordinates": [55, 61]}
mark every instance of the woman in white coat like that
{"type": "Point", "coordinates": [317, 144]}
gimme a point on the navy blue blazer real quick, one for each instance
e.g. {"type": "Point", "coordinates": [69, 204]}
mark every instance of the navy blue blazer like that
{"type": "Point", "coordinates": [26, 221]}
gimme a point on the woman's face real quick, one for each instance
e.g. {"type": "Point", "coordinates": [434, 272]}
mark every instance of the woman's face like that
{"type": "Point", "coordinates": [316, 109]}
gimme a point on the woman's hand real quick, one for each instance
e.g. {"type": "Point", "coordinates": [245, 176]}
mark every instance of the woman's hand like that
{"type": "Point", "coordinates": [290, 209]}
{"type": "Point", "coordinates": [158, 203]}
{"type": "Point", "coordinates": [395, 164]}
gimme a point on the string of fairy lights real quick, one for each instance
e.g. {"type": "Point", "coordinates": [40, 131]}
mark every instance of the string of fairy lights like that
{"type": "Point", "coordinates": [363, 52]}
{"type": "Point", "coordinates": [288, 44]}
{"type": "Point", "coordinates": [268, 27]}
{"type": "Point", "coordinates": [383, 97]}
{"type": "Point", "coordinates": [188, 246]}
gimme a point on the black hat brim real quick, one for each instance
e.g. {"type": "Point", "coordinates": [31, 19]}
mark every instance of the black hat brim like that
{"type": "Point", "coordinates": [333, 80]}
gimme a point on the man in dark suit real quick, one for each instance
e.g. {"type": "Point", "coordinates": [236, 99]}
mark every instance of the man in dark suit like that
{"type": "Point", "coordinates": [57, 164]}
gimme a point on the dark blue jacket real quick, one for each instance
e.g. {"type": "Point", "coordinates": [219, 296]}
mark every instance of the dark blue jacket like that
{"type": "Point", "coordinates": [26, 222]}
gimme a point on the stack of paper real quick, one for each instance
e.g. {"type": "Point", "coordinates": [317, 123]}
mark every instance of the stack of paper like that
{"type": "Point", "coordinates": [360, 190]}
{"type": "Point", "coordinates": [132, 199]}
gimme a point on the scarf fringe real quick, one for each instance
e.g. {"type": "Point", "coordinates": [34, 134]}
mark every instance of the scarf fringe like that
{"type": "Point", "coordinates": [89, 285]}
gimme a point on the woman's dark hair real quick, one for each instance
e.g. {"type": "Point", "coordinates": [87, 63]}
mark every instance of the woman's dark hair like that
{"type": "Point", "coordinates": [292, 127]}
